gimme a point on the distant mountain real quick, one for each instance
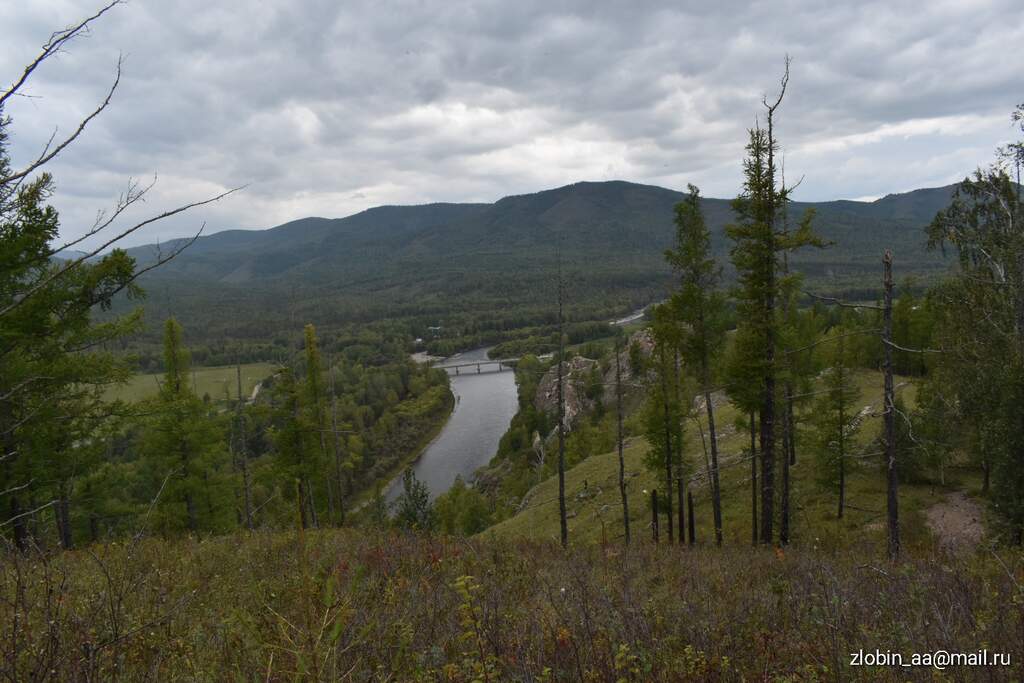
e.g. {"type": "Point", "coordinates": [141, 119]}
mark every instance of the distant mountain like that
{"type": "Point", "coordinates": [424, 260]}
{"type": "Point", "coordinates": [69, 254]}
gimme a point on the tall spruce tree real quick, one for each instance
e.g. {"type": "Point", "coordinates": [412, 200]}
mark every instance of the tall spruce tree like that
{"type": "Point", "coordinates": [698, 308]}
{"type": "Point", "coordinates": [835, 423]}
{"type": "Point", "coordinates": [184, 448]}
{"type": "Point", "coordinates": [759, 239]}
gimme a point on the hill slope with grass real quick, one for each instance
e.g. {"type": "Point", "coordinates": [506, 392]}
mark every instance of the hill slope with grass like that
{"type": "Point", "coordinates": [595, 508]}
{"type": "Point", "coordinates": [367, 605]}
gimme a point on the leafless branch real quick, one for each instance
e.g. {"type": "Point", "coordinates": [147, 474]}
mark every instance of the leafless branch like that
{"type": "Point", "coordinates": [53, 45]}
{"type": "Point", "coordinates": [46, 157]}
{"type": "Point", "coordinates": [60, 272]}
{"type": "Point", "coordinates": [903, 348]}
{"type": "Point", "coordinates": [17, 488]}
{"type": "Point", "coordinates": [26, 514]}
{"type": "Point", "coordinates": [131, 196]}
{"type": "Point", "coordinates": [782, 90]}
{"type": "Point", "coordinates": [834, 338]}
{"type": "Point", "coordinates": [840, 302]}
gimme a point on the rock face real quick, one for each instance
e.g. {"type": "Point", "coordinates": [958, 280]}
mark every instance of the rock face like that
{"type": "Point", "coordinates": [577, 371]}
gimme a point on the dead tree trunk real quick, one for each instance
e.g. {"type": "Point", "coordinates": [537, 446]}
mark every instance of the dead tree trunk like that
{"type": "Point", "coordinates": [622, 460]}
{"type": "Point", "coordinates": [64, 516]}
{"type": "Point", "coordinates": [340, 489]}
{"type": "Point", "coordinates": [313, 517]}
{"type": "Point", "coordinates": [716, 489]}
{"type": "Point", "coordinates": [668, 441]}
{"type": "Point", "coordinates": [562, 516]}
{"type": "Point", "coordinates": [784, 511]}
{"type": "Point", "coordinates": [841, 400]}
{"type": "Point", "coordinates": [243, 459]}
{"type": "Point", "coordinates": [680, 488]}
{"type": "Point", "coordinates": [753, 480]}
{"type": "Point", "coordinates": [693, 524]}
{"type": "Point", "coordinates": [892, 479]}
{"type": "Point", "coordinates": [654, 514]}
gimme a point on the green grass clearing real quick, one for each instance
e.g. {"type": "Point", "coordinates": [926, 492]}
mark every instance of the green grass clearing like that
{"type": "Point", "coordinates": [219, 382]}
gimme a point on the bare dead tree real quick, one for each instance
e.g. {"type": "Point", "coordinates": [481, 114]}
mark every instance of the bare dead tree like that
{"type": "Point", "coordinates": [654, 514]}
{"type": "Point", "coordinates": [888, 398]}
{"type": "Point", "coordinates": [668, 439]}
{"type": "Point", "coordinates": [681, 522]}
{"type": "Point", "coordinates": [753, 481]}
{"type": "Point", "coordinates": [562, 513]}
{"type": "Point", "coordinates": [693, 524]}
{"type": "Point", "coordinates": [889, 401]}
{"type": "Point", "coordinates": [243, 457]}
{"type": "Point", "coordinates": [619, 437]}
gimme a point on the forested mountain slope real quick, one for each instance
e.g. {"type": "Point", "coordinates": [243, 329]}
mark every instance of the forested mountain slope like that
{"type": "Point", "coordinates": [438, 262]}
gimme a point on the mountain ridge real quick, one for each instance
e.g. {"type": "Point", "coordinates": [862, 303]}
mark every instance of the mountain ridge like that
{"type": "Point", "coordinates": [495, 262]}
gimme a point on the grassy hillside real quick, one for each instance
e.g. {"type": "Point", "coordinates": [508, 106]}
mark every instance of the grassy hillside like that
{"type": "Point", "coordinates": [366, 605]}
{"type": "Point", "coordinates": [596, 510]}
{"type": "Point", "coordinates": [219, 382]}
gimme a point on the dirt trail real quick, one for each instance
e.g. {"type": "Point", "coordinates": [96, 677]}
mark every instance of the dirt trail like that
{"type": "Point", "coordinates": [956, 522]}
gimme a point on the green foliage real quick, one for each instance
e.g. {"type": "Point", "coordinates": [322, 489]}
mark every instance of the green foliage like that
{"type": "Point", "coordinates": [980, 329]}
{"type": "Point", "coordinates": [664, 411]}
{"type": "Point", "coordinates": [182, 447]}
{"type": "Point", "coordinates": [835, 418]}
{"type": "Point", "coordinates": [462, 510]}
{"type": "Point", "coordinates": [413, 509]}
{"type": "Point", "coordinates": [697, 306]}
{"type": "Point", "coordinates": [55, 361]}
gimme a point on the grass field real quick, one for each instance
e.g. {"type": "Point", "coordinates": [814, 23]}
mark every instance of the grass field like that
{"type": "Point", "coordinates": [595, 508]}
{"type": "Point", "coordinates": [219, 382]}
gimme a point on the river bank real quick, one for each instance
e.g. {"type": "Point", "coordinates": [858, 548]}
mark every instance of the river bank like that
{"type": "Point", "coordinates": [485, 403]}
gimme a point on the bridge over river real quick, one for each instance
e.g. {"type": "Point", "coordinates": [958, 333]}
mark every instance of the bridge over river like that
{"type": "Point", "coordinates": [485, 401]}
{"type": "Point", "coordinates": [462, 366]}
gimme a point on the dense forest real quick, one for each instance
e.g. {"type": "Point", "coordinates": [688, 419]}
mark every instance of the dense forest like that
{"type": "Point", "coordinates": [796, 362]}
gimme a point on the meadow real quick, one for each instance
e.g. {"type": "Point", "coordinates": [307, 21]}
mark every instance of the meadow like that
{"type": "Point", "coordinates": [219, 382]}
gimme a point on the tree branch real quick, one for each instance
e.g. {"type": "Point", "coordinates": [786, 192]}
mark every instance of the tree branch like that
{"type": "Point", "coordinates": [77, 262]}
{"type": "Point", "coordinates": [53, 45]}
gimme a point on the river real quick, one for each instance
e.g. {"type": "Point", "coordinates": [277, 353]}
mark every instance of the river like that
{"type": "Point", "coordinates": [484, 406]}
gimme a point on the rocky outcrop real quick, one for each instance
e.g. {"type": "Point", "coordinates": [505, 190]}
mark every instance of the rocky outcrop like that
{"type": "Point", "coordinates": [575, 372]}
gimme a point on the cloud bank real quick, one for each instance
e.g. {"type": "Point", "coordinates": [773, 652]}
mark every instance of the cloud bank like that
{"type": "Point", "coordinates": [326, 108]}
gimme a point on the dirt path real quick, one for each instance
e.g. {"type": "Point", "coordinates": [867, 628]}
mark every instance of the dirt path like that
{"type": "Point", "coordinates": [956, 522]}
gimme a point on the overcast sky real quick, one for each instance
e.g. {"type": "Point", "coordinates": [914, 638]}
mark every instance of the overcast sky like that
{"type": "Point", "coordinates": [326, 108]}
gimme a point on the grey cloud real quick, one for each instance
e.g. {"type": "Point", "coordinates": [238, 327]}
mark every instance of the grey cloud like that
{"type": "Point", "coordinates": [326, 108]}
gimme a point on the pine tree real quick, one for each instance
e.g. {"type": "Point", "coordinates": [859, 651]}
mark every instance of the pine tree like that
{"type": "Point", "coordinates": [835, 423]}
{"type": "Point", "coordinates": [184, 449]}
{"type": "Point", "coordinates": [699, 310]}
{"type": "Point", "coordinates": [316, 419]}
{"type": "Point", "coordinates": [759, 239]}
{"type": "Point", "coordinates": [663, 413]}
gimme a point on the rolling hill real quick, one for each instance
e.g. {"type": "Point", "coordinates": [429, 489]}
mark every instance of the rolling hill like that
{"type": "Point", "coordinates": [433, 261]}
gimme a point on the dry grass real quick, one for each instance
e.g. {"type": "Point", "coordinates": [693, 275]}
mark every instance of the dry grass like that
{"type": "Point", "coordinates": [367, 605]}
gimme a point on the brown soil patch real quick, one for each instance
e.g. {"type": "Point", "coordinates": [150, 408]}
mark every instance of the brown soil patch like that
{"type": "Point", "coordinates": [956, 522]}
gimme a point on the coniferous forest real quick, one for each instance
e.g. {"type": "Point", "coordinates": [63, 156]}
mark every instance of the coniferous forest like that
{"type": "Point", "coordinates": [759, 438]}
